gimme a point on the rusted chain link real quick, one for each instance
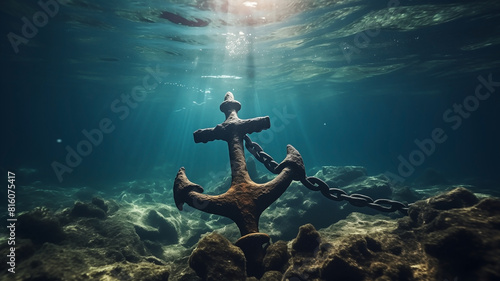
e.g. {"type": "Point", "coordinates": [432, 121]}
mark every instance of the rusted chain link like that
{"type": "Point", "coordinates": [332, 193]}
{"type": "Point", "coordinates": [260, 155]}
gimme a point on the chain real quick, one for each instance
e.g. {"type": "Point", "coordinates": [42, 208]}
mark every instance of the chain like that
{"type": "Point", "coordinates": [260, 155]}
{"type": "Point", "coordinates": [332, 193]}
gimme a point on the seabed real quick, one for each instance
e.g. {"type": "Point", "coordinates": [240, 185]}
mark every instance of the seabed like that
{"type": "Point", "coordinates": [136, 234]}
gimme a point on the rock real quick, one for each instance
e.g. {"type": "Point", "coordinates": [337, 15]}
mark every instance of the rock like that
{"type": "Point", "coordinates": [276, 258]}
{"type": "Point", "coordinates": [340, 176]}
{"type": "Point", "coordinates": [144, 271]}
{"type": "Point", "coordinates": [374, 186]}
{"type": "Point", "coordinates": [491, 206]}
{"type": "Point", "coordinates": [457, 198]}
{"type": "Point", "coordinates": [446, 236]}
{"type": "Point", "coordinates": [52, 262]}
{"type": "Point", "coordinates": [337, 268]}
{"type": "Point", "coordinates": [73, 245]}
{"type": "Point", "coordinates": [272, 276]}
{"type": "Point", "coordinates": [24, 248]}
{"type": "Point", "coordinates": [353, 179]}
{"type": "Point", "coordinates": [307, 241]}
{"type": "Point", "coordinates": [358, 224]}
{"type": "Point", "coordinates": [166, 230]}
{"type": "Point", "coordinates": [216, 259]}
{"type": "Point", "coordinates": [305, 250]}
{"type": "Point", "coordinates": [155, 248]}
{"type": "Point", "coordinates": [459, 235]}
{"type": "Point", "coordinates": [424, 212]}
{"type": "Point", "coordinates": [404, 194]}
{"type": "Point", "coordinates": [70, 262]}
{"type": "Point", "coordinates": [40, 226]}
{"type": "Point", "coordinates": [81, 209]}
{"type": "Point", "coordinates": [376, 254]}
{"type": "Point", "coordinates": [454, 235]}
{"type": "Point", "coordinates": [99, 202]}
{"type": "Point", "coordinates": [456, 247]}
{"type": "Point", "coordinates": [147, 233]}
{"type": "Point", "coordinates": [187, 274]}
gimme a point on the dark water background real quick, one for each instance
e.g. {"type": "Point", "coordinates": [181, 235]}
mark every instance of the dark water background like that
{"type": "Point", "coordinates": [345, 82]}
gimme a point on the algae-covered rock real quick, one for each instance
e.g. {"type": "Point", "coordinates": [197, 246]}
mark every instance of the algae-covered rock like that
{"type": "Point", "coordinates": [340, 176]}
{"type": "Point", "coordinates": [457, 198]}
{"type": "Point", "coordinates": [459, 234]}
{"type": "Point", "coordinates": [305, 249]}
{"type": "Point", "coordinates": [307, 241]}
{"type": "Point", "coordinates": [166, 231]}
{"type": "Point", "coordinates": [373, 186]}
{"type": "Point", "coordinates": [452, 235]}
{"type": "Point", "coordinates": [87, 210]}
{"type": "Point", "coordinates": [216, 259]}
{"type": "Point", "coordinates": [143, 271]}
{"type": "Point", "coordinates": [99, 202]}
{"type": "Point", "coordinates": [40, 226]}
{"type": "Point", "coordinates": [277, 256]}
{"type": "Point", "coordinates": [272, 276]}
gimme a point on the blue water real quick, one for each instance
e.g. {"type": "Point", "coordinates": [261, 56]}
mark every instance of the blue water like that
{"type": "Point", "coordinates": [345, 82]}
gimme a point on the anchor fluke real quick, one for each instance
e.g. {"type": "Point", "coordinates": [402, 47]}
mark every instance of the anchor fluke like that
{"type": "Point", "coordinates": [293, 160]}
{"type": "Point", "coordinates": [182, 187]}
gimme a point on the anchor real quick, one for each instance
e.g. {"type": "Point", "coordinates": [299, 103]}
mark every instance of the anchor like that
{"type": "Point", "coordinates": [245, 200]}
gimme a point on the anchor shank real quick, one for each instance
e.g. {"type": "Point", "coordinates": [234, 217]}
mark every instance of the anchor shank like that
{"type": "Point", "coordinates": [239, 170]}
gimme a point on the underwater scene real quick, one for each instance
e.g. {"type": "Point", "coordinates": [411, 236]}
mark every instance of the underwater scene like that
{"type": "Point", "coordinates": [294, 140]}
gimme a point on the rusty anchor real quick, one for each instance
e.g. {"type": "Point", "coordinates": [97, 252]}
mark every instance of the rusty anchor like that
{"type": "Point", "coordinates": [245, 200]}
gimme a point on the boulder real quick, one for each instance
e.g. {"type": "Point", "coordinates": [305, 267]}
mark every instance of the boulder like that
{"type": "Point", "coordinates": [340, 176]}
{"type": "Point", "coordinates": [40, 226]}
{"type": "Point", "coordinates": [458, 233]}
{"type": "Point", "coordinates": [166, 230]}
{"type": "Point", "coordinates": [99, 202]}
{"type": "Point", "coordinates": [87, 210]}
{"type": "Point", "coordinates": [449, 236]}
{"type": "Point", "coordinates": [277, 256]}
{"type": "Point", "coordinates": [217, 259]}
{"type": "Point", "coordinates": [375, 187]}
{"type": "Point", "coordinates": [307, 241]}
{"type": "Point", "coordinates": [272, 276]}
